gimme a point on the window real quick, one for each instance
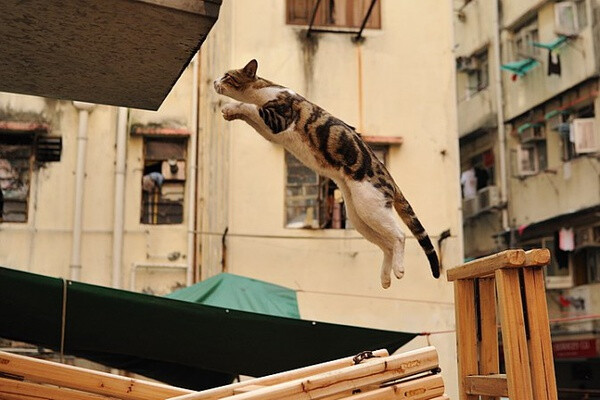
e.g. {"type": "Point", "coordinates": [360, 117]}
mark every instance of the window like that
{"type": "Point", "coordinates": [313, 201]}
{"type": "Point", "coordinates": [334, 13]}
{"type": "Point", "coordinates": [559, 272]}
{"type": "Point", "coordinates": [578, 132]}
{"type": "Point", "coordinates": [523, 40]}
{"type": "Point", "coordinates": [531, 158]}
{"type": "Point", "coordinates": [593, 264]}
{"type": "Point", "coordinates": [163, 181]}
{"type": "Point", "coordinates": [16, 157]}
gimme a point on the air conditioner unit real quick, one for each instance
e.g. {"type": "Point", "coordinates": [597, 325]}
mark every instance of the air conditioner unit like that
{"type": "Point", "coordinates": [173, 170]}
{"type": "Point", "coordinates": [488, 198]}
{"type": "Point", "coordinates": [584, 135]}
{"type": "Point", "coordinates": [566, 21]}
{"type": "Point", "coordinates": [467, 64]}
{"type": "Point", "coordinates": [587, 237]}
{"type": "Point", "coordinates": [470, 207]}
{"type": "Point", "coordinates": [533, 132]}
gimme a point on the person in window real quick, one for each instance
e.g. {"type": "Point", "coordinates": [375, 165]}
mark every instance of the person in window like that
{"type": "Point", "coordinates": [152, 181]}
{"type": "Point", "coordinates": [482, 177]}
{"type": "Point", "coordinates": [468, 180]}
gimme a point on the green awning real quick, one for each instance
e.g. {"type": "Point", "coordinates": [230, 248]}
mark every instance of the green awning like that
{"type": "Point", "coordinates": [527, 125]}
{"type": "Point", "coordinates": [556, 43]}
{"type": "Point", "coordinates": [520, 67]}
{"type": "Point", "coordinates": [240, 293]}
{"type": "Point", "coordinates": [181, 343]}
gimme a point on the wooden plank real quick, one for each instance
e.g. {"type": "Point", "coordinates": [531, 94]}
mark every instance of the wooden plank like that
{"type": "Point", "coordinates": [487, 385]}
{"type": "Point", "coordinates": [230, 390]}
{"type": "Point", "coordinates": [247, 388]}
{"type": "Point", "coordinates": [17, 389]}
{"type": "Point", "coordinates": [42, 371]}
{"type": "Point", "coordinates": [417, 389]}
{"type": "Point", "coordinates": [537, 257]}
{"type": "Point", "coordinates": [516, 355]}
{"type": "Point", "coordinates": [488, 346]}
{"type": "Point", "coordinates": [466, 332]}
{"type": "Point", "coordinates": [349, 378]}
{"type": "Point", "coordinates": [487, 265]}
{"type": "Point", "coordinates": [540, 344]}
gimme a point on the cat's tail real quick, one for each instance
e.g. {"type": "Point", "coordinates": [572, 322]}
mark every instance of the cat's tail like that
{"type": "Point", "coordinates": [412, 222]}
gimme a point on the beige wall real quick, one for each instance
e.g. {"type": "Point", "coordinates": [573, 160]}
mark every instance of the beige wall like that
{"type": "Point", "coordinates": [43, 244]}
{"type": "Point", "coordinates": [408, 91]}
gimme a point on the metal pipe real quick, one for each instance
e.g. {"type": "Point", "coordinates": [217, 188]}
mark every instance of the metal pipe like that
{"type": "Point", "coordinates": [119, 202]}
{"type": "Point", "coordinates": [193, 166]}
{"type": "Point", "coordinates": [84, 112]}
{"type": "Point", "coordinates": [312, 18]}
{"type": "Point", "coordinates": [364, 23]}
{"type": "Point", "coordinates": [500, 117]}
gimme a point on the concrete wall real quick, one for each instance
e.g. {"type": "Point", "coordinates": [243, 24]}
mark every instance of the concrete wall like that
{"type": "Point", "coordinates": [43, 244]}
{"type": "Point", "coordinates": [408, 90]}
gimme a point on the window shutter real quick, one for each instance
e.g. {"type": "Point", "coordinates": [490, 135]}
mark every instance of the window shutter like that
{"type": "Point", "coordinates": [585, 136]}
{"type": "Point", "coordinates": [298, 12]}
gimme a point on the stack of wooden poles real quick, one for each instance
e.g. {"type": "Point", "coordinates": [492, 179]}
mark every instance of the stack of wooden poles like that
{"type": "Point", "coordinates": [374, 375]}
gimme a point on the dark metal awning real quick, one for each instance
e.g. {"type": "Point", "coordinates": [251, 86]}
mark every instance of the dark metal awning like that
{"type": "Point", "coordinates": [119, 52]}
{"type": "Point", "coordinates": [181, 343]}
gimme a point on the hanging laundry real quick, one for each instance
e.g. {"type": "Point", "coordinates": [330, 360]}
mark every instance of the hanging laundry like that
{"type": "Point", "coordinates": [553, 63]}
{"type": "Point", "coordinates": [566, 239]}
{"type": "Point", "coordinates": [469, 183]}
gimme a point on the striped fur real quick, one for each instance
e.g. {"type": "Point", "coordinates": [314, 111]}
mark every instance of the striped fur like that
{"type": "Point", "coordinates": [333, 149]}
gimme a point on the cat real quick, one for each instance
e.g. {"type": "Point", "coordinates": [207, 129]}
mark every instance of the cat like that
{"type": "Point", "coordinates": [335, 150]}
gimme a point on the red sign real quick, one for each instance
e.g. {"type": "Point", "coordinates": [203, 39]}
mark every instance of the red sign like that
{"type": "Point", "coordinates": [581, 348]}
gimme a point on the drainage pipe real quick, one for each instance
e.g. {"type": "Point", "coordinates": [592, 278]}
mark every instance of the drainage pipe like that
{"type": "Point", "coordinates": [84, 113]}
{"type": "Point", "coordinates": [119, 217]}
{"type": "Point", "coordinates": [192, 169]}
{"type": "Point", "coordinates": [500, 116]}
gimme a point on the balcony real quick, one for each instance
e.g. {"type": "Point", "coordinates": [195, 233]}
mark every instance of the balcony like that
{"type": "Point", "coordinates": [119, 52]}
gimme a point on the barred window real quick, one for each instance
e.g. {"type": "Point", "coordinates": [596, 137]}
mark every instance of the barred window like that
{"type": "Point", "coordinates": [334, 13]}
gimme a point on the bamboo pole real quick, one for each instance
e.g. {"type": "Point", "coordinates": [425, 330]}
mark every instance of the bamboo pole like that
{"type": "Point", "coordinates": [10, 388]}
{"type": "Point", "coordinates": [236, 388]}
{"type": "Point", "coordinates": [418, 389]}
{"type": "Point", "coordinates": [42, 371]}
{"type": "Point", "coordinates": [349, 378]}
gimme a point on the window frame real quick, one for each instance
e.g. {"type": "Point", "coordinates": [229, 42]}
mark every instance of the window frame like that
{"type": "Point", "coordinates": [159, 198]}
{"type": "Point", "coordinates": [325, 18]}
{"type": "Point", "coordinates": [24, 140]}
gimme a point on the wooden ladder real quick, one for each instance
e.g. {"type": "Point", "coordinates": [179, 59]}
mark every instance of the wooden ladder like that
{"type": "Point", "coordinates": [511, 275]}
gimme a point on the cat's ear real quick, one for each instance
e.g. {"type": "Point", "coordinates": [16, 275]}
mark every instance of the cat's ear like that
{"type": "Point", "coordinates": [250, 69]}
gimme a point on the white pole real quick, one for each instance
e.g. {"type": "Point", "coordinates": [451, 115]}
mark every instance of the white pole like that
{"type": "Point", "coordinates": [84, 112]}
{"type": "Point", "coordinates": [500, 117]}
{"type": "Point", "coordinates": [191, 248]}
{"type": "Point", "coordinates": [118, 225]}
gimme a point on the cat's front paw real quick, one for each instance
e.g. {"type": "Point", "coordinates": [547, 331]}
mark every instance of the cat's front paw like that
{"type": "Point", "coordinates": [231, 111]}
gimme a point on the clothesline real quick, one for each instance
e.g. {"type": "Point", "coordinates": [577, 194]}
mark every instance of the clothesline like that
{"type": "Point", "coordinates": [552, 321]}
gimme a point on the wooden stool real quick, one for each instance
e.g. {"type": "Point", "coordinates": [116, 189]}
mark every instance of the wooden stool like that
{"type": "Point", "coordinates": [523, 322]}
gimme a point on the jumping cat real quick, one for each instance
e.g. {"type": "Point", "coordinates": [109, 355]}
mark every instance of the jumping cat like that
{"type": "Point", "coordinates": [333, 149]}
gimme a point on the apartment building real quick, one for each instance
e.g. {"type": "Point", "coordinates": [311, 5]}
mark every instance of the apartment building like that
{"type": "Point", "coordinates": [226, 199]}
{"type": "Point", "coordinates": [527, 91]}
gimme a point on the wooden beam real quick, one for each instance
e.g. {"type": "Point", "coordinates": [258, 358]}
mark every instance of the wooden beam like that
{"type": "Point", "coordinates": [230, 390]}
{"type": "Point", "coordinates": [487, 385]}
{"type": "Point", "coordinates": [17, 389]}
{"type": "Point", "coordinates": [417, 389]}
{"type": "Point", "coordinates": [349, 378]}
{"type": "Point", "coordinates": [466, 332]}
{"type": "Point", "coordinates": [516, 353]}
{"type": "Point", "coordinates": [540, 343]}
{"type": "Point", "coordinates": [537, 257]}
{"type": "Point", "coordinates": [488, 345]}
{"type": "Point", "coordinates": [487, 265]}
{"type": "Point", "coordinates": [42, 371]}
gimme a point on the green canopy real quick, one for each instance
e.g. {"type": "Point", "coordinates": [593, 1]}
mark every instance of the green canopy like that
{"type": "Point", "coordinates": [521, 67]}
{"type": "Point", "coordinates": [240, 293]}
{"type": "Point", "coordinates": [559, 41]}
{"type": "Point", "coordinates": [181, 343]}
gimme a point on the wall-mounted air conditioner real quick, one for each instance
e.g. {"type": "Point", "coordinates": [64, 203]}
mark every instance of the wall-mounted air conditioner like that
{"type": "Point", "coordinates": [585, 136]}
{"type": "Point", "coordinates": [467, 64]}
{"type": "Point", "coordinates": [488, 198]}
{"type": "Point", "coordinates": [566, 20]}
{"type": "Point", "coordinates": [533, 132]}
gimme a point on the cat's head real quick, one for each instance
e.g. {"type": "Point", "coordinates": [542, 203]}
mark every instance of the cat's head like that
{"type": "Point", "coordinates": [238, 82]}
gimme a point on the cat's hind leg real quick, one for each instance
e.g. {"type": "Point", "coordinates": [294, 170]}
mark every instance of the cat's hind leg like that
{"type": "Point", "coordinates": [382, 222]}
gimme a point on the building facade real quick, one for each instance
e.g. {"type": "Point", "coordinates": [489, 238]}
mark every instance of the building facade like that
{"type": "Point", "coordinates": [527, 90]}
{"type": "Point", "coordinates": [201, 195]}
